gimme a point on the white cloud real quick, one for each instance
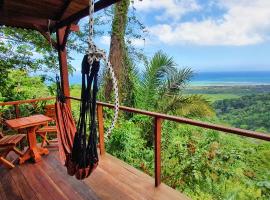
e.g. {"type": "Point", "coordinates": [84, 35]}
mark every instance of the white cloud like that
{"type": "Point", "coordinates": [173, 9]}
{"type": "Point", "coordinates": [244, 22]}
{"type": "Point", "coordinates": [106, 40]}
{"type": "Point", "coordinates": [138, 42]}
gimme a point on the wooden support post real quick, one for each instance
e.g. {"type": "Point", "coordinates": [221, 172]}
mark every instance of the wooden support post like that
{"type": "Point", "coordinates": [101, 129]}
{"type": "Point", "coordinates": [62, 54]}
{"type": "Point", "coordinates": [158, 128]}
{"type": "Point", "coordinates": [17, 110]}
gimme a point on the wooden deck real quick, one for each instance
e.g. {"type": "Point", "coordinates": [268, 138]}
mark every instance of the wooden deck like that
{"type": "Point", "coordinates": [113, 179]}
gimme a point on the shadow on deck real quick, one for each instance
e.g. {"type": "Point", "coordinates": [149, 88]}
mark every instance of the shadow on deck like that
{"type": "Point", "coordinates": [113, 179]}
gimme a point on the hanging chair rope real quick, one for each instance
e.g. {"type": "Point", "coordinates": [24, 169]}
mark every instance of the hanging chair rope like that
{"type": "Point", "coordinates": [97, 54]}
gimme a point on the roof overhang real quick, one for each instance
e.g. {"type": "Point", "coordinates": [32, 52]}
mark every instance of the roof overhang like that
{"type": "Point", "coordinates": [33, 14]}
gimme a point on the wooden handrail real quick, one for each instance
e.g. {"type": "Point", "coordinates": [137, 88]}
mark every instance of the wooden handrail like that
{"type": "Point", "coordinates": [237, 131]}
{"type": "Point", "coordinates": [25, 101]}
{"type": "Point", "coordinates": [17, 103]}
{"type": "Point", "coordinates": [158, 118]}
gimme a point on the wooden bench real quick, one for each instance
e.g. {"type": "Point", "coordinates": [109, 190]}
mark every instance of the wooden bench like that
{"type": "Point", "coordinates": [48, 129]}
{"type": "Point", "coordinates": [8, 143]}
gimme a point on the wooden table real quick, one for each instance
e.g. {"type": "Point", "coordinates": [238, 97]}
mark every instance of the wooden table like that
{"type": "Point", "coordinates": [30, 124]}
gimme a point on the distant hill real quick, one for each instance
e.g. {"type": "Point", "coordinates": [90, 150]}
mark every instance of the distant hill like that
{"type": "Point", "coordinates": [250, 112]}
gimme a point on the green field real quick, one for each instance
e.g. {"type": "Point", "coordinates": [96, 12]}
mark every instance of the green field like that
{"type": "Point", "coordinates": [216, 93]}
{"type": "Point", "coordinates": [216, 97]}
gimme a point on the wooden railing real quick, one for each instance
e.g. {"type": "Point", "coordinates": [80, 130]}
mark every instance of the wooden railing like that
{"type": "Point", "coordinates": [158, 119]}
{"type": "Point", "coordinates": [17, 103]}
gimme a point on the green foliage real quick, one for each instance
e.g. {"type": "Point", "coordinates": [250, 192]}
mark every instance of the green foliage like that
{"type": "Point", "coordinates": [29, 51]}
{"type": "Point", "coordinates": [213, 165]}
{"type": "Point", "coordinates": [249, 112]}
{"type": "Point", "coordinates": [161, 89]}
{"type": "Point", "coordinates": [20, 86]}
{"type": "Point", "coordinates": [126, 143]}
{"type": "Point", "coordinates": [26, 50]}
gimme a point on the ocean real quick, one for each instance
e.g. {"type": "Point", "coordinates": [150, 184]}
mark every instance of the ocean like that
{"type": "Point", "coordinates": [230, 78]}
{"type": "Point", "coordinates": [217, 78]}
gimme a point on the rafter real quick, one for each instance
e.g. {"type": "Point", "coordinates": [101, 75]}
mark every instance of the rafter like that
{"type": "Point", "coordinates": [64, 9]}
{"type": "Point", "coordinates": [83, 13]}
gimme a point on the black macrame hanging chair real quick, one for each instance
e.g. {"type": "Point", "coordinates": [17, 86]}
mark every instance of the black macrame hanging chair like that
{"type": "Point", "coordinates": [82, 157]}
{"type": "Point", "coordinates": [78, 144]}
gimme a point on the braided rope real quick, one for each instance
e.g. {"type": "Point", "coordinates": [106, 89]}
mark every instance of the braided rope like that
{"type": "Point", "coordinates": [95, 54]}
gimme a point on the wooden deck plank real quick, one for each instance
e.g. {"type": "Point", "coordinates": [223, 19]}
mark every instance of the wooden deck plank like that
{"type": "Point", "coordinates": [80, 187]}
{"type": "Point", "coordinates": [8, 186]}
{"type": "Point", "coordinates": [113, 179]}
{"type": "Point", "coordinates": [59, 182]}
{"type": "Point", "coordinates": [137, 180]}
{"type": "Point", "coordinates": [2, 191]}
{"type": "Point", "coordinates": [49, 185]}
{"type": "Point", "coordinates": [23, 186]}
{"type": "Point", "coordinates": [107, 187]}
{"type": "Point", "coordinates": [36, 182]}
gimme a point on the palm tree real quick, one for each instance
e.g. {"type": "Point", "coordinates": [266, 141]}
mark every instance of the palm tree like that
{"type": "Point", "coordinates": [161, 89]}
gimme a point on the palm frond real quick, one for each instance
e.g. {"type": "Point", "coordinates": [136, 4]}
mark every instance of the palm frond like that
{"type": "Point", "coordinates": [159, 67]}
{"type": "Point", "coordinates": [196, 106]}
{"type": "Point", "coordinates": [154, 77]}
{"type": "Point", "coordinates": [178, 80]}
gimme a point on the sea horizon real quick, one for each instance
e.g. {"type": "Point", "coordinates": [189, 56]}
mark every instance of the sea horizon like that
{"type": "Point", "coordinates": [217, 78]}
{"type": "Point", "coordinates": [235, 78]}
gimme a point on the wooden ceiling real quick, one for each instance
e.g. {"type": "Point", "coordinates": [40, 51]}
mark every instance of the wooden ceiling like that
{"type": "Point", "coordinates": [34, 14]}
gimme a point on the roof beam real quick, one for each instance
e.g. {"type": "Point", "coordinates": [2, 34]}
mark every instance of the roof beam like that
{"type": "Point", "coordinates": [63, 10]}
{"type": "Point", "coordinates": [83, 13]}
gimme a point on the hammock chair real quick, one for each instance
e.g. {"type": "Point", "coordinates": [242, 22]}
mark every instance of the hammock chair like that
{"type": "Point", "coordinates": [78, 144]}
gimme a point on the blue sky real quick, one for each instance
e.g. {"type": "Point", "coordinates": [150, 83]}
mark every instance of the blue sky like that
{"type": "Point", "coordinates": [207, 35]}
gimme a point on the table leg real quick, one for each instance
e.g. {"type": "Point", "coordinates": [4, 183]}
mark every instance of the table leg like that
{"type": "Point", "coordinates": [33, 151]}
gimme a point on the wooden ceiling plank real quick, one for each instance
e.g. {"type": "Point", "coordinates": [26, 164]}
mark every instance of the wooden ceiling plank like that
{"type": "Point", "coordinates": [83, 13]}
{"type": "Point", "coordinates": [1, 4]}
{"type": "Point", "coordinates": [64, 8]}
{"type": "Point", "coordinates": [31, 8]}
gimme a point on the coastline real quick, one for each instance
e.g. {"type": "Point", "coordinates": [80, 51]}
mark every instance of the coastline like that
{"type": "Point", "coordinates": [229, 84]}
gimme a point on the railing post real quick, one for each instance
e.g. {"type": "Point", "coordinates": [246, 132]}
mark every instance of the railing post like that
{"type": "Point", "coordinates": [17, 110]}
{"type": "Point", "coordinates": [158, 128]}
{"type": "Point", "coordinates": [101, 129]}
{"type": "Point", "coordinates": [62, 56]}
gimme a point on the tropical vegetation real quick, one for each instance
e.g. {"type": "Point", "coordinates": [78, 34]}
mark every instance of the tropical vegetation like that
{"type": "Point", "coordinates": [203, 164]}
{"type": "Point", "coordinates": [250, 112]}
